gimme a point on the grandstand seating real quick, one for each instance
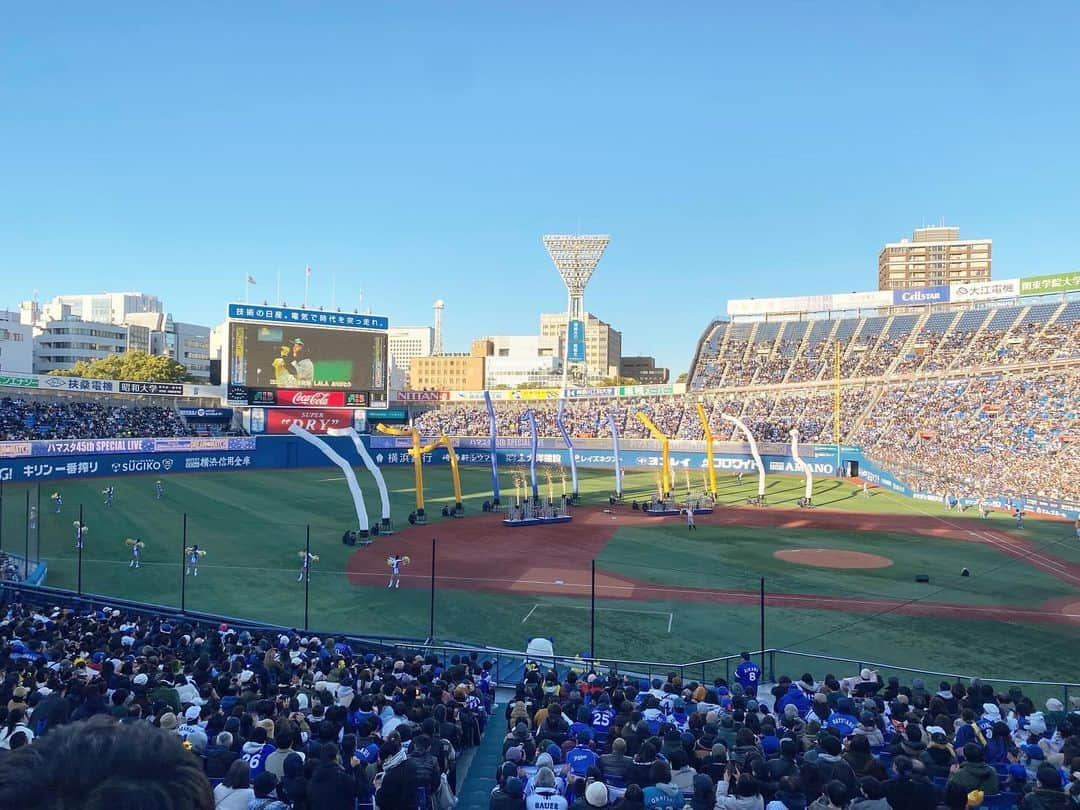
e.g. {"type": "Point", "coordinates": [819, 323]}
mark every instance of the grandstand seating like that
{"type": "Point", "coordinates": [976, 401]}
{"type": "Point", "coordinates": [66, 672]}
{"type": "Point", "coordinates": [80, 419]}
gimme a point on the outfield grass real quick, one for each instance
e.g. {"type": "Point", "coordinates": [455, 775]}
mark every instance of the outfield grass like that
{"type": "Point", "coordinates": [253, 524]}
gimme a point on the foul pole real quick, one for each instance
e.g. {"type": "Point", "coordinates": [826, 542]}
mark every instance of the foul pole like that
{"type": "Point", "coordinates": [836, 403]}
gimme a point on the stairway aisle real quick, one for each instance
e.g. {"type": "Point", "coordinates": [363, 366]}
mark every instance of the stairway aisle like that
{"type": "Point", "coordinates": [479, 778]}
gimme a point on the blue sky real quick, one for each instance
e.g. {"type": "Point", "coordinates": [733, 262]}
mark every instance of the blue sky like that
{"type": "Point", "coordinates": [420, 150]}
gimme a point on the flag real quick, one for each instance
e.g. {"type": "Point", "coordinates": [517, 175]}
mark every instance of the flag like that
{"type": "Point", "coordinates": [307, 270]}
{"type": "Point", "coordinates": [251, 280]}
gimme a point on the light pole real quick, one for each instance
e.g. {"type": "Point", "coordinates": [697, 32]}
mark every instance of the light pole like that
{"type": "Point", "coordinates": [575, 257]}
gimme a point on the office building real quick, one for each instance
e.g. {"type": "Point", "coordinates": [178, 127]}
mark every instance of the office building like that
{"type": "Point", "coordinates": [186, 343]}
{"type": "Point", "coordinates": [933, 257]}
{"type": "Point", "coordinates": [61, 342]}
{"type": "Point", "coordinates": [16, 344]}
{"type": "Point", "coordinates": [403, 343]}
{"type": "Point", "coordinates": [644, 370]}
{"type": "Point", "coordinates": [603, 344]}
{"type": "Point", "coordinates": [518, 360]}
{"type": "Point", "coordinates": [110, 307]}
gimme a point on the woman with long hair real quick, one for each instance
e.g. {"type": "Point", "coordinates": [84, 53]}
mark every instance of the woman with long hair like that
{"type": "Point", "coordinates": [234, 792]}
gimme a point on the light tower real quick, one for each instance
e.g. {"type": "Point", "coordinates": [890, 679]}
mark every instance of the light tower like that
{"type": "Point", "coordinates": [436, 344]}
{"type": "Point", "coordinates": [575, 257]}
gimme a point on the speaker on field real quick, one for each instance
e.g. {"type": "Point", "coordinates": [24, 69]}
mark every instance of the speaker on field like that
{"type": "Point", "coordinates": [922, 577]}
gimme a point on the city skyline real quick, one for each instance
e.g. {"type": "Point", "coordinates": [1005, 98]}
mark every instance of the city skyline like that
{"type": "Point", "coordinates": [410, 156]}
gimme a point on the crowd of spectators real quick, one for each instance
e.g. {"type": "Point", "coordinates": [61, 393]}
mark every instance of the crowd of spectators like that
{"type": "Point", "coordinates": [737, 361]}
{"type": "Point", "coordinates": [11, 568]}
{"type": "Point", "coordinates": [858, 742]}
{"type": "Point", "coordinates": [1001, 435]}
{"type": "Point", "coordinates": [98, 708]}
{"type": "Point", "coordinates": [77, 419]}
{"type": "Point", "coordinates": [106, 709]}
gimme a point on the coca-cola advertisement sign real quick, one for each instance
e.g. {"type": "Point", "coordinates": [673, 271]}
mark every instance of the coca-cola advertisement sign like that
{"type": "Point", "coordinates": [321, 420]}
{"type": "Point", "coordinates": [311, 399]}
{"type": "Point", "coordinates": [321, 399]}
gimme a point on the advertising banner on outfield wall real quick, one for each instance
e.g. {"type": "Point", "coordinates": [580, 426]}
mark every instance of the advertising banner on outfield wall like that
{"type": "Point", "coordinates": [984, 290]}
{"type": "Point", "coordinates": [79, 447]}
{"type": "Point", "coordinates": [1046, 285]}
{"type": "Point", "coordinates": [278, 420]}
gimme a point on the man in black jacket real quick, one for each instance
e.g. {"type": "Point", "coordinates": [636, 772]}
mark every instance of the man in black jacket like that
{"type": "Point", "coordinates": [396, 784]}
{"type": "Point", "coordinates": [909, 790]}
{"type": "Point", "coordinates": [426, 770]}
{"type": "Point", "coordinates": [54, 710]}
{"type": "Point", "coordinates": [330, 788]}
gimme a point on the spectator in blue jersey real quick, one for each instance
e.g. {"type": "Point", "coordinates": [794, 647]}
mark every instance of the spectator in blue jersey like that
{"type": "Point", "coordinates": [581, 757]}
{"type": "Point", "coordinates": [583, 723]}
{"type": "Point", "coordinates": [256, 750]}
{"type": "Point", "coordinates": [968, 730]}
{"type": "Point", "coordinates": [662, 794]}
{"type": "Point", "coordinates": [748, 674]}
{"type": "Point", "coordinates": [600, 718]}
{"type": "Point", "coordinates": [842, 719]}
{"type": "Point", "coordinates": [794, 696]}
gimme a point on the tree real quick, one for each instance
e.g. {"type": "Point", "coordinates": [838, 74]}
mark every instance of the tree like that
{"type": "Point", "coordinates": [134, 366]}
{"type": "Point", "coordinates": [682, 378]}
{"type": "Point", "coordinates": [609, 381]}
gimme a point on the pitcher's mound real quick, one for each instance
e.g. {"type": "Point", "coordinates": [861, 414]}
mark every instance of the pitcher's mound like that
{"type": "Point", "coordinates": [832, 558]}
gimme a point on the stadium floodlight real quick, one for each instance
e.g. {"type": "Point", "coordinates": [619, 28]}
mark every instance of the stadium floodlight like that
{"type": "Point", "coordinates": [575, 257]}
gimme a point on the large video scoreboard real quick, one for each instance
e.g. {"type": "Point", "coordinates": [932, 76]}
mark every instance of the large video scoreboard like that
{"type": "Point", "coordinates": [301, 357]}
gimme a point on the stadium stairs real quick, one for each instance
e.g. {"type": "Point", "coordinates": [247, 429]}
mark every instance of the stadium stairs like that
{"type": "Point", "coordinates": [479, 781]}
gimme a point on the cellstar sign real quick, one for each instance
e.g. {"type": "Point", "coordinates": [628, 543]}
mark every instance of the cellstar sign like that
{"type": "Point", "coordinates": [921, 295]}
{"type": "Point", "coordinates": [575, 342]}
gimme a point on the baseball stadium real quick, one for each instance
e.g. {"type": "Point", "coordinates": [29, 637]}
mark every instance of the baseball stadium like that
{"type": "Point", "coordinates": [873, 487]}
{"type": "Point", "coordinates": [871, 482]}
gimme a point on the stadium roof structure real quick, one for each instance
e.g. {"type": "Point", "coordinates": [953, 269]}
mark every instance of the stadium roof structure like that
{"type": "Point", "coordinates": [576, 257]}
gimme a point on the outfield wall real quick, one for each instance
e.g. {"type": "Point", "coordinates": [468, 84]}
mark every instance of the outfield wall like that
{"type": "Point", "coordinates": [53, 461]}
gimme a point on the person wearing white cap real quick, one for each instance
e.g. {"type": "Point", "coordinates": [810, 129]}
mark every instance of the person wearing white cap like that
{"type": "Point", "coordinates": [190, 724]}
{"type": "Point", "coordinates": [544, 796]}
{"type": "Point", "coordinates": [596, 795]}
